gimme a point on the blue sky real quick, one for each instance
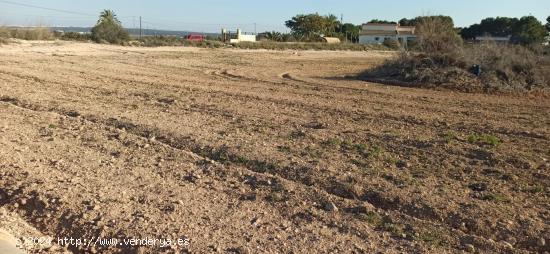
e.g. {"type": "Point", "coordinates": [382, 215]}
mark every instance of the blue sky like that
{"type": "Point", "coordinates": [211, 15]}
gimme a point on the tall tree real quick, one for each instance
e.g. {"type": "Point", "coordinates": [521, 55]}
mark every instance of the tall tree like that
{"type": "Point", "coordinates": [331, 25]}
{"type": "Point", "coordinates": [108, 16]}
{"type": "Point", "coordinates": [414, 22]}
{"type": "Point", "coordinates": [350, 32]}
{"type": "Point", "coordinates": [313, 26]}
{"type": "Point", "coordinates": [407, 22]}
{"type": "Point", "coordinates": [109, 29]}
{"type": "Point", "coordinates": [529, 30]}
{"type": "Point", "coordinates": [525, 30]}
{"type": "Point", "coordinates": [499, 26]}
{"type": "Point", "coordinates": [548, 23]}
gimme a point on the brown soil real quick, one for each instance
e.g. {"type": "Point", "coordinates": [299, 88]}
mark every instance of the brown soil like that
{"type": "Point", "coordinates": [264, 152]}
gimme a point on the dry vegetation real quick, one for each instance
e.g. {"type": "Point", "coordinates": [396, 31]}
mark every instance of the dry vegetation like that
{"type": "Point", "coordinates": [247, 151]}
{"type": "Point", "coordinates": [504, 68]}
{"type": "Point", "coordinates": [158, 41]}
{"type": "Point", "coordinates": [35, 33]}
{"type": "Point", "coordinates": [442, 61]}
{"type": "Point", "coordinates": [308, 46]}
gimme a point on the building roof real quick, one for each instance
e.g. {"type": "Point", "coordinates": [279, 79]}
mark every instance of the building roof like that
{"type": "Point", "coordinates": [492, 38]}
{"type": "Point", "coordinates": [377, 32]}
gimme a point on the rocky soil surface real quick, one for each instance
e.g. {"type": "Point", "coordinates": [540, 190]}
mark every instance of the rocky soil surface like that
{"type": "Point", "coordinates": [236, 151]}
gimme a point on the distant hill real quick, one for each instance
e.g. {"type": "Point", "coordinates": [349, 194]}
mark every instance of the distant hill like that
{"type": "Point", "coordinates": [135, 32]}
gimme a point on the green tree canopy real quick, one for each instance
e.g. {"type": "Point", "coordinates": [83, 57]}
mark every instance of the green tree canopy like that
{"type": "Point", "coordinates": [529, 30]}
{"type": "Point", "coordinates": [109, 29]}
{"type": "Point", "coordinates": [414, 22]}
{"type": "Point", "coordinates": [379, 21]}
{"type": "Point", "coordinates": [350, 32]}
{"type": "Point", "coordinates": [499, 26]}
{"type": "Point", "coordinates": [548, 23]}
{"type": "Point", "coordinates": [313, 26]}
{"type": "Point", "coordinates": [525, 30]}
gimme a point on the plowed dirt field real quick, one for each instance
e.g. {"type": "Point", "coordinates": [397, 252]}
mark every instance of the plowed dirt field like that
{"type": "Point", "coordinates": [237, 151]}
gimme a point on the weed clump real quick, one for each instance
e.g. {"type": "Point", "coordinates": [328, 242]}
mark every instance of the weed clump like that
{"type": "Point", "coordinates": [484, 139]}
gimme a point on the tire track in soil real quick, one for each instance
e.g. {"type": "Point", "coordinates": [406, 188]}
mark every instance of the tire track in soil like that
{"type": "Point", "coordinates": [420, 123]}
{"type": "Point", "coordinates": [408, 212]}
{"type": "Point", "coordinates": [37, 199]}
{"type": "Point", "coordinates": [378, 102]}
{"type": "Point", "coordinates": [379, 118]}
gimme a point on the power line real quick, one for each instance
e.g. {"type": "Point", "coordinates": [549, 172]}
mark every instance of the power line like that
{"type": "Point", "coordinates": [44, 16]}
{"type": "Point", "coordinates": [162, 23]}
{"type": "Point", "coordinates": [46, 8]}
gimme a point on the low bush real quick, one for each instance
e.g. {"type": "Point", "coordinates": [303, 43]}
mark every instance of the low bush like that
{"type": "Point", "coordinates": [74, 36]}
{"type": "Point", "coordinates": [161, 41]}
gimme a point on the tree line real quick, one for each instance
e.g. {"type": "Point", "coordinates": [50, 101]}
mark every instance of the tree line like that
{"type": "Point", "coordinates": [312, 27]}
{"type": "Point", "coordinates": [525, 30]}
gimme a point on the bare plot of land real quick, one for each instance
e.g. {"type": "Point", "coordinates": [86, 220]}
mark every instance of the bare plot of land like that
{"type": "Point", "coordinates": [262, 151]}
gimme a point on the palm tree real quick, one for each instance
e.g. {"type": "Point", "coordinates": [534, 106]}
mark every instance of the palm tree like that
{"type": "Point", "coordinates": [274, 36]}
{"type": "Point", "coordinates": [332, 24]}
{"type": "Point", "coordinates": [109, 29]}
{"type": "Point", "coordinates": [108, 16]}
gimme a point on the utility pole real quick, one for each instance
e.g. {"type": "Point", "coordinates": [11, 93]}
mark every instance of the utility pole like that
{"type": "Point", "coordinates": [140, 31]}
{"type": "Point", "coordinates": [255, 32]}
{"type": "Point", "coordinates": [342, 27]}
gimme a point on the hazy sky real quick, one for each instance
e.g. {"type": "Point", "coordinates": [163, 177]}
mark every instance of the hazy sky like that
{"type": "Point", "coordinates": [211, 15]}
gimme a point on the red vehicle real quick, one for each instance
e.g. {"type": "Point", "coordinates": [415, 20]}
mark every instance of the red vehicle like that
{"type": "Point", "coordinates": [195, 37]}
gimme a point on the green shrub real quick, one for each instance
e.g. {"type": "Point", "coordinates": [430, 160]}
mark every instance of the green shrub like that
{"type": "Point", "coordinates": [159, 41]}
{"type": "Point", "coordinates": [484, 139]}
{"type": "Point", "coordinates": [473, 138]}
{"type": "Point", "coordinates": [74, 36]}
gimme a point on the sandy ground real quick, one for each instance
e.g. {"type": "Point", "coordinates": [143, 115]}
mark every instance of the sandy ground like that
{"type": "Point", "coordinates": [235, 151]}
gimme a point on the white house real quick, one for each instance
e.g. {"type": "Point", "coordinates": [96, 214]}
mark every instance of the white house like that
{"type": "Point", "coordinates": [376, 33]}
{"type": "Point", "coordinates": [237, 37]}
